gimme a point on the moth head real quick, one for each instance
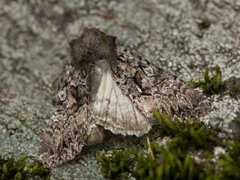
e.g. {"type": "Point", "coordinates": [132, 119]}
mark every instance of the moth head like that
{"type": "Point", "coordinates": [92, 46]}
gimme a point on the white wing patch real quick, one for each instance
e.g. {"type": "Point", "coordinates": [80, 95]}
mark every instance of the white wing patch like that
{"type": "Point", "coordinates": [114, 111]}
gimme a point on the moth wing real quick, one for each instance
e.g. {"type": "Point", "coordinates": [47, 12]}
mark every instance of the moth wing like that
{"type": "Point", "coordinates": [114, 111]}
{"type": "Point", "coordinates": [64, 138]}
{"type": "Point", "coordinates": [69, 125]}
{"type": "Point", "coordinates": [150, 87]}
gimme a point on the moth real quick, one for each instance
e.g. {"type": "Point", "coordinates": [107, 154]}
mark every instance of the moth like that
{"type": "Point", "coordinates": [106, 86]}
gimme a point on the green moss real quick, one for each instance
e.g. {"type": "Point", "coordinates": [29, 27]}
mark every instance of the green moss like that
{"type": "Point", "coordinates": [206, 154]}
{"type": "Point", "coordinates": [229, 164]}
{"type": "Point", "coordinates": [22, 168]}
{"type": "Point", "coordinates": [234, 90]}
{"type": "Point", "coordinates": [211, 85]}
{"type": "Point", "coordinates": [167, 126]}
{"type": "Point", "coordinates": [190, 132]}
{"type": "Point", "coordinates": [117, 165]}
{"type": "Point", "coordinates": [204, 23]}
{"type": "Point", "coordinates": [175, 159]}
{"type": "Point", "coordinates": [233, 86]}
{"type": "Point", "coordinates": [166, 165]}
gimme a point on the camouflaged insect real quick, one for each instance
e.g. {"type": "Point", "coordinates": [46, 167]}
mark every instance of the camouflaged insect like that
{"type": "Point", "coordinates": [106, 86]}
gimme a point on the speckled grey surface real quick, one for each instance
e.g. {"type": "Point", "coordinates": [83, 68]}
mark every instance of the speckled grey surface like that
{"type": "Point", "coordinates": [34, 38]}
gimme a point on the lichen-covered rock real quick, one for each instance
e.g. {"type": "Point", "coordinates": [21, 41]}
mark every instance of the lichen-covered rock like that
{"type": "Point", "coordinates": [184, 37]}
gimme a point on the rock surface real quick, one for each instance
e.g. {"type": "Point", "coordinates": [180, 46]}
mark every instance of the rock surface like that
{"type": "Point", "coordinates": [184, 37]}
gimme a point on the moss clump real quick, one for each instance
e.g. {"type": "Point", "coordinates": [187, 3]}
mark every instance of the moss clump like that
{"type": "Point", "coordinates": [233, 86]}
{"type": "Point", "coordinates": [204, 23]}
{"type": "Point", "coordinates": [187, 133]}
{"type": "Point", "coordinates": [234, 90]}
{"type": "Point", "coordinates": [229, 164]}
{"type": "Point", "coordinates": [165, 164]}
{"type": "Point", "coordinates": [175, 160]}
{"type": "Point", "coordinates": [161, 164]}
{"type": "Point", "coordinates": [117, 165]}
{"type": "Point", "coordinates": [211, 85]}
{"type": "Point", "coordinates": [22, 168]}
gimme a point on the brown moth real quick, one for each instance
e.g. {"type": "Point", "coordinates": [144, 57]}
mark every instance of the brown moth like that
{"type": "Point", "coordinates": [106, 86]}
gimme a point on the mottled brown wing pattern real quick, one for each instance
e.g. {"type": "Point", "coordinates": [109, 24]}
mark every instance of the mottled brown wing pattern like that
{"type": "Point", "coordinates": [69, 125]}
{"type": "Point", "coordinates": [149, 87]}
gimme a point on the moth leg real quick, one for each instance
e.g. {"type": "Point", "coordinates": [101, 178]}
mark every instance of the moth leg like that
{"type": "Point", "coordinates": [96, 135]}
